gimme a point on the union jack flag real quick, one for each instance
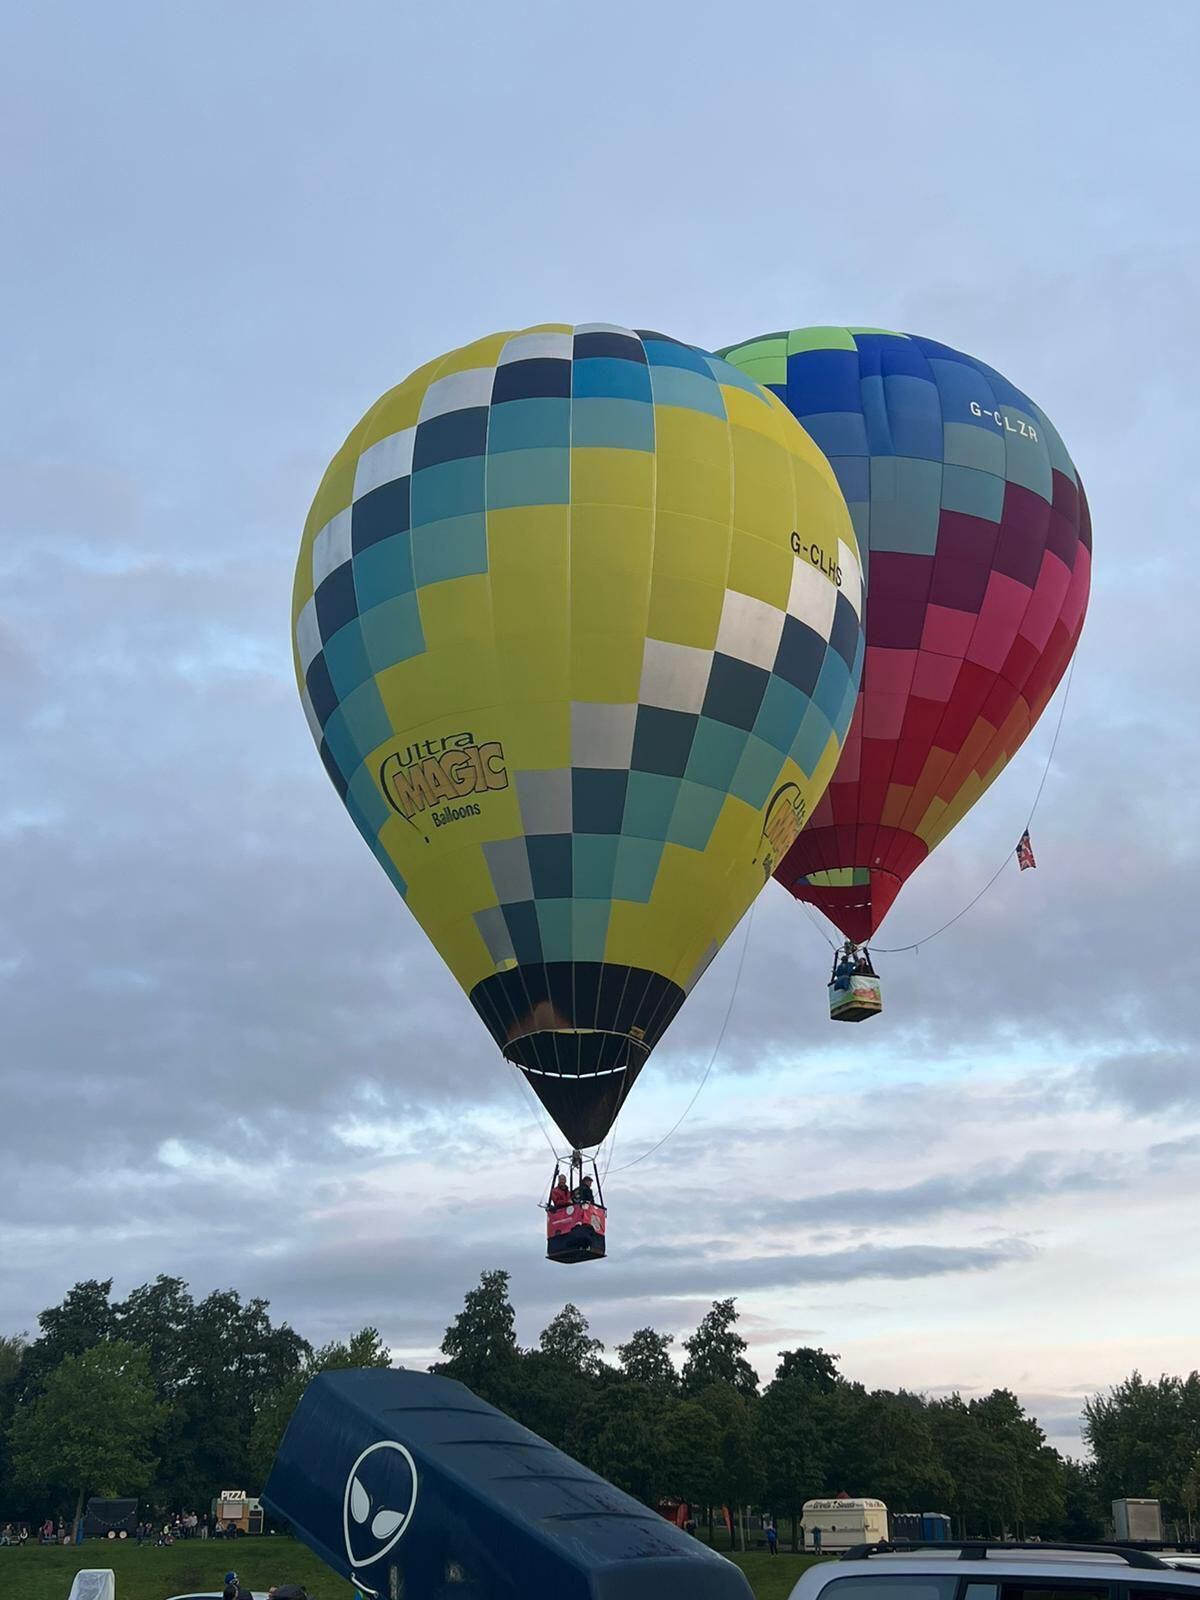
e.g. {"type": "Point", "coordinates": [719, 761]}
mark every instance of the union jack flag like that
{"type": "Point", "coordinates": [1025, 852]}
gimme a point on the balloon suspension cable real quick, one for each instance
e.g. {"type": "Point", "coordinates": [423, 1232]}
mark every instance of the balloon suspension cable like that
{"type": "Point", "coordinates": [712, 1060]}
{"type": "Point", "coordinates": [899, 949]}
{"type": "Point", "coordinates": [612, 1150]}
{"type": "Point", "coordinates": [533, 1108]}
{"type": "Point", "coordinates": [812, 917]}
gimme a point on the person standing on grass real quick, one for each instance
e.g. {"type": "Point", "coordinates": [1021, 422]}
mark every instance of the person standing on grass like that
{"type": "Point", "coordinates": [772, 1539]}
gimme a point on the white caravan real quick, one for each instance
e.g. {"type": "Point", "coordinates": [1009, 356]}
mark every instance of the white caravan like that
{"type": "Point", "coordinates": [844, 1522]}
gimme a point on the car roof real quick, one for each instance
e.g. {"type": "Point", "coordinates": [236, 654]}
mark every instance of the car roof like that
{"type": "Point", "coordinates": [1099, 1565]}
{"type": "Point", "coordinates": [214, 1594]}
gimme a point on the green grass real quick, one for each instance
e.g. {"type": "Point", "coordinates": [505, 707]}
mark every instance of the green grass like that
{"type": "Point", "coordinates": [149, 1574]}
{"type": "Point", "coordinates": [38, 1573]}
{"type": "Point", "coordinates": [771, 1577]}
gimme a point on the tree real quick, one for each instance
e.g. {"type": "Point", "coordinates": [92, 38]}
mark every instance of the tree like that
{"type": "Point", "coordinates": [232, 1359]}
{"type": "Point", "coordinates": [1031, 1495]}
{"type": "Point", "coordinates": [546, 1395]}
{"type": "Point", "coordinates": [739, 1467]}
{"type": "Point", "coordinates": [160, 1317]}
{"type": "Point", "coordinates": [897, 1452]}
{"type": "Point", "coordinates": [1144, 1437]}
{"type": "Point", "coordinates": [12, 1351]}
{"type": "Point", "coordinates": [92, 1428]}
{"type": "Point", "coordinates": [645, 1358]}
{"type": "Point", "coordinates": [692, 1452]}
{"type": "Point", "coordinates": [619, 1433]}
{"type": "Point", "coordinates": [791, 1444]}
{"type": "Point", "coordinates": [481, 1343]}
{"type": "Point", "coordinates": [84, 1319]}
{"type": "Point", "coordinates": [1083, 1515]}
{"type": "Point", "coordinates": [566, 1340]}
{"type": "Point", "coordinates": [817, 1369]}
{"type": "Point", "coordinates": [716, 1354]}
{"type": "Point", "coordinates": [365, 1349]}
{"type": "Point", "coordinates": [1189, 1493]}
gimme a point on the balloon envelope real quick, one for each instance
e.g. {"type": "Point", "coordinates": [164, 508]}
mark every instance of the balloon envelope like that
{"type": "Point", "coordinates": [977, 542]}
{"type": "Point", "coordinates": [572, 678]}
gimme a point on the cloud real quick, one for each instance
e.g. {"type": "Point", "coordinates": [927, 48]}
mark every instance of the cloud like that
{"type": "Point", "coordinates": [1036, 1176]}
{"type": "Point", "coordinates": [1149, 1082]}
{"type": "Point", "coordinates": [721, 1276]}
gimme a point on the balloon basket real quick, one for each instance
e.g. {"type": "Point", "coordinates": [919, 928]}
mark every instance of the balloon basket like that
{"type": "Point", "coordinates": [576, 1233]}
{"type": "Point", "coordinates": [860, 999]}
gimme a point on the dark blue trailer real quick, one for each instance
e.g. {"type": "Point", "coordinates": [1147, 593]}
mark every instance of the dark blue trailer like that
{"type": "Point", "coordinates": [414, 1489]}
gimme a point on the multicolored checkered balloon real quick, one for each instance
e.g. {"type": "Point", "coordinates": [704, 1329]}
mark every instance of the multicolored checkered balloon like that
{"type": "Point", "coordinates": [577, 632]}
{"type": "Point", "coordinates": [976, 534]}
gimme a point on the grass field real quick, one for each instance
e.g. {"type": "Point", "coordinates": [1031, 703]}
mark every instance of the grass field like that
{"type": "Point", "coordinates": [149, 1574]}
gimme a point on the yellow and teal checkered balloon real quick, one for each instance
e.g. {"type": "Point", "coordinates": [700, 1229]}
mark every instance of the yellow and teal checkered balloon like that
{"type": "Point", "coordinates": [577, 633]}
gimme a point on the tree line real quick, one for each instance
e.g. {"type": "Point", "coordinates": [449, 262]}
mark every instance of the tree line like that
{"type": "Point", "coordinates": [173, 1399]}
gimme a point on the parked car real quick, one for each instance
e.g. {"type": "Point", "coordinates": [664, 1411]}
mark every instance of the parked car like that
{"type": "Point", "coordinates": [214, 1594]}
{"type": "Point", "coordinates": [983, 1570]}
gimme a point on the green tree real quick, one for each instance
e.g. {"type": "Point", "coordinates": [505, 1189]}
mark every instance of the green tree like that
{"type": "Point", "coordinates": [235, 1357]}
{"type": "Point", "coordinates": [817, 1369]}
{"type": "Point", "coordinates": [619, 1433]}
{"type": "Point", "coordinates": [1083, 1514]}
{"type": "Point", "coordinates": [898, 1452]}
{"type": "Point", "coordinates": [160, 1318]}
{"type": "Point", "coordinates": [480, 1345]}
{"type": "Point", "coordinates": [791, 1444]}
{"type": "Point", "coordinates": [92, 1428]}
{"type": "Point", "coordinates": [1144, 1437]}
{"type": "Point", "coordinates": [547, 1395]}
{"type": "Point", "coordinates": [646, 1358]}
{"type": "Point", "coordinates": [12, 1351]}
{"type": "Point", "coordinates": [365, 1349]}
{"type": "Point", "coordinates": [1031, 1473]}
{"type": "Point", "coordinates": [692, 1468]}
{"type": "Point", "coordinates": [961, 1450]}
{"type": "Point", "coordinates": [739, 1466]}
{"type": "Point", "coordinates": [716, 1354]}
{"type": "Point", "coordinates": [1189, 1493]}
{"type": "Point", "coordinates": [84, 1319]}
{"type": "Point", "coordinates": [566, 1340]}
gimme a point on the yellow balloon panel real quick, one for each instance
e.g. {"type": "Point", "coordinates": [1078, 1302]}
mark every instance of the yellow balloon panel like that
{"type": "Point", "coordinates": [572, 667]}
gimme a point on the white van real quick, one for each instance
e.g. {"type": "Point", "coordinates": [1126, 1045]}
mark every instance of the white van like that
{"type": "Point", "coordinates": [844, 1522]}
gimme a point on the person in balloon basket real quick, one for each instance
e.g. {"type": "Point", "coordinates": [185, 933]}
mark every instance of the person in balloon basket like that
{"type": "Point", "coordinates": [560, 1195]}
{"type": "Point", "coordinates": [844, 970]}
{"type": "Point", "coordinates": [584, 1195]}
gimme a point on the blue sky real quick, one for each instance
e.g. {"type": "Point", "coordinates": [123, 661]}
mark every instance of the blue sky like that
{"type": "Point", "coordinates": [229, 228]}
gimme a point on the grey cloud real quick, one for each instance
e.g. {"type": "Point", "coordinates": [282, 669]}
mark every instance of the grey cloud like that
{"type": "Point", "coordinates": [989, 1189]}
{"type": "Point", "coordinates": [724, 1276]}
{"type": "Point", "coordinates": [1149, 1082]}
{"type": "Point", "coordinates": [354, 1275]}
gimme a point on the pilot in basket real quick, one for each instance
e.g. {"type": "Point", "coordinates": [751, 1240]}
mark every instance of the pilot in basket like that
{"type": "Point", "coordinates": [855, 992]}
{"type": "Point", "coordinates": [575, 1213]}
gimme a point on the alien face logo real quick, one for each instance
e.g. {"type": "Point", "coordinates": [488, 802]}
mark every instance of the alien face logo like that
{"type": "Point", "coordinates": [381, 1493]}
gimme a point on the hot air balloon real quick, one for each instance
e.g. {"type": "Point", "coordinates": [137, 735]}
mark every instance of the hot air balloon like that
{"type": "Point", "coordinates": [977, 541]}
{"type": "Point", "coordinates": [571, 677]}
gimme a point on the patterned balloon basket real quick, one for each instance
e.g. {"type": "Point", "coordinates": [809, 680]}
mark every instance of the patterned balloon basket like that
{"type": "Point", "coordinates": [861, 998]}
